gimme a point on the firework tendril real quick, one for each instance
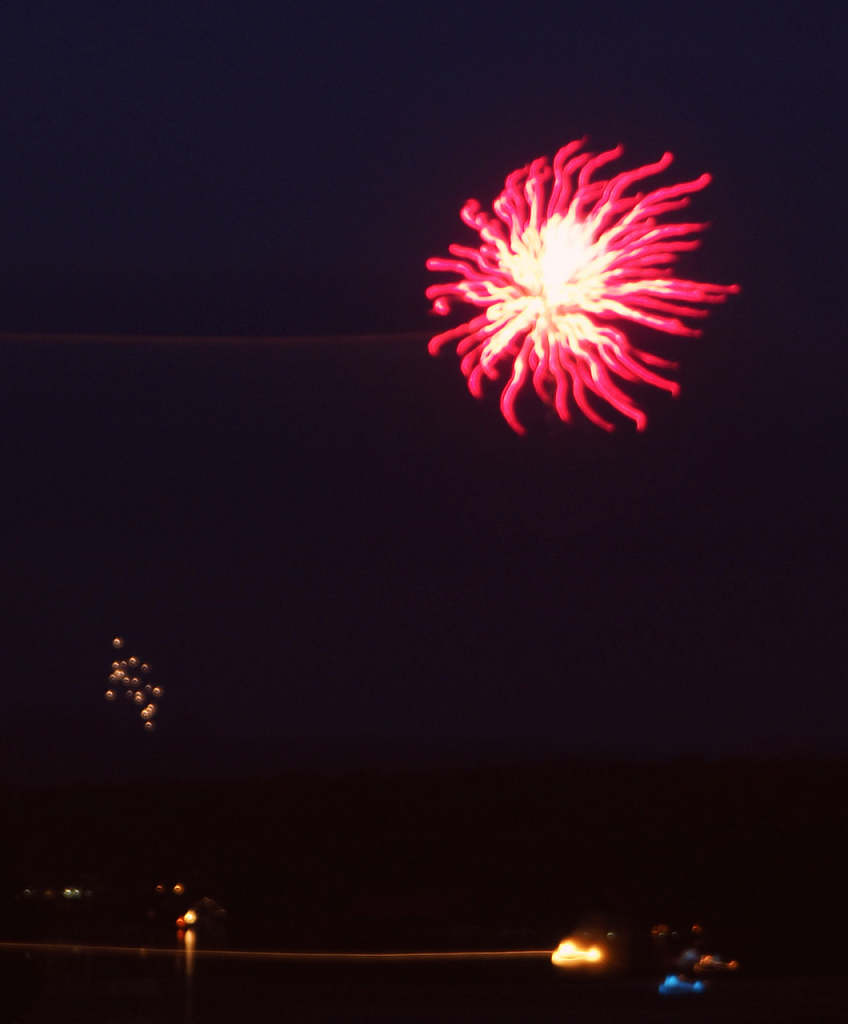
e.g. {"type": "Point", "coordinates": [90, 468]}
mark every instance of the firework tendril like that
{"type": "Point", "coordinates": [566, 261]}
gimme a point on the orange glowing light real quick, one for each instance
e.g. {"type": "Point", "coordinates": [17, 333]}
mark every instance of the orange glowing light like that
{"type": "Point", "coordinates": [714, 964]}
{"type": "Point", "coordinates": [570, 953]}
{"type": "Point", "coordinates": [179, 888]}
{"type": "Point", "coordinates": [117, 642]}
{"type": "Point", "coordinates": [190, 917]}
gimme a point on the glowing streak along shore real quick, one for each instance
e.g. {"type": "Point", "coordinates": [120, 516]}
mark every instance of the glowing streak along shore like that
{"type": "Point", "coordinates": [245, 954]}
{"type": "Point", "coordinates": [554, 274]}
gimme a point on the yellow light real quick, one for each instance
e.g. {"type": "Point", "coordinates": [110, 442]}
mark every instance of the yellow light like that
{"type": "Point", "coordinates": [570, 953]}
{"type": "Point", "coordinates": [189, 917]}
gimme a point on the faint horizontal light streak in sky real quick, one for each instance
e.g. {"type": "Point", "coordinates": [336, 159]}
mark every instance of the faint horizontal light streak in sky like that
{"type": "Point", "coordinates": [244, 954]}
{"type": "Point", "coordinates": [213, 339]}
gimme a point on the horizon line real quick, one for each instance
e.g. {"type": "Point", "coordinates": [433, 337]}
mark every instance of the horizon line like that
{"type": "Point", "coordinates": [212, 339]}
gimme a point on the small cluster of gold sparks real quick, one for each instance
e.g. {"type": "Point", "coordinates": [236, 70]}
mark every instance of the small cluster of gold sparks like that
{"type": "Point", "coordinates": [132, 675]}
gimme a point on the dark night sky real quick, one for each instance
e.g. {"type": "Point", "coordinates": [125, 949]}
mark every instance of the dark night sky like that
{"type": "Point", "coordinates": [334, 541]}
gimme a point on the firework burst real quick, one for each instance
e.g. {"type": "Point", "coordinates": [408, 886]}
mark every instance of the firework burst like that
{"type": "Point", "coordinates": [568, 260]}
{"type": "Point", "coordinates": [131, 675]}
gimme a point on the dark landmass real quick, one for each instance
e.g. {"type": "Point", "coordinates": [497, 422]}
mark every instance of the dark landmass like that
{"type": "Point", "coordinates": [753, 850]}
{"type": "Point", "coordinates": [255, 993]}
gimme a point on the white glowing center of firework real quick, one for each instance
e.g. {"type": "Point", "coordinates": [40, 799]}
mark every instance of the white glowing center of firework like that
{"type": "Point", "coordinates": [550, 264]}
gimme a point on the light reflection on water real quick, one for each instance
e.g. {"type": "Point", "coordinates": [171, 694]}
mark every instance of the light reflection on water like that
{"type": "Point", "coordinates": [188, 985]}
{"type": "Point", "coordinates": [188, 962]}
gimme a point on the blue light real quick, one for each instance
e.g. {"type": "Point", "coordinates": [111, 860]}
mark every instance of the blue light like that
{"type": "Point", "coordinates": [674, 986]}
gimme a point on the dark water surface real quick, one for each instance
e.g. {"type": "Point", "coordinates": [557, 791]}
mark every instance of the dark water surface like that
{"type": "Point", "coordinates": [72, 988]}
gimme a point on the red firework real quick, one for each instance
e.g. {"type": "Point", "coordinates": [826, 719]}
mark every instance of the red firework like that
{"type": "Point", "coordinates": [564, 262]}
